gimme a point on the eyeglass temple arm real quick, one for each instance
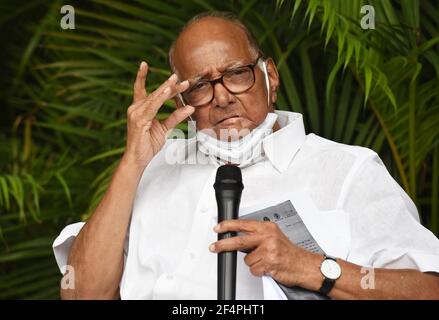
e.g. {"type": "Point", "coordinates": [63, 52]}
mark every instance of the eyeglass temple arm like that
{"type": "Point", "coordinates": [263, 66]}
{"type": "Point", "coordinates": [191, 122]}
{"type": "Point", "coordinates": [181, 99]}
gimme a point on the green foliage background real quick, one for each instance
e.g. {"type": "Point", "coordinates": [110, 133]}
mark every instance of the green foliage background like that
{"type": "Point", "coordinates": [64, 95]}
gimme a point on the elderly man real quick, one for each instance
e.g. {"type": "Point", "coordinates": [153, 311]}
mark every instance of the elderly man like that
{"type": "Point", "coordinates": [153, 236]}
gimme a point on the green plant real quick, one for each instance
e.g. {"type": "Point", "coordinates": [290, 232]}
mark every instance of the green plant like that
{"type": "Point", "coordinates": [396, 65]}
{"type": "Point", "coordinates": [66, 92]}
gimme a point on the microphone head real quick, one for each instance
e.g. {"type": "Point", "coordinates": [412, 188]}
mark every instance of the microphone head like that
{"type": "Point", "coordinates": [228, 175]}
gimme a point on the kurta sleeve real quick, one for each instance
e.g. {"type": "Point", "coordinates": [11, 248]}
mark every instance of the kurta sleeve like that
{"type": "Point", "coordinates": [63, 243]}
{"type": "Point", "coordinates": [385, 228]}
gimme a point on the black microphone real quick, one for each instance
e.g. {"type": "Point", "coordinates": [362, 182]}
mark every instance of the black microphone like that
{"type": "Point", "coordinates": [228, 188]}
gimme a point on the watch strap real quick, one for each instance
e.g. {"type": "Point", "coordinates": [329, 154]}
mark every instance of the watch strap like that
{"type": "Point", "coordinates": [327, 286]}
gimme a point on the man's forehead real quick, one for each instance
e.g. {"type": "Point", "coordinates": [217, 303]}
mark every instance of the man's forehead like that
{"type": "Point", "coordinates": [210, 48]}
{"type": "Point", "coordinates": [212, 58]}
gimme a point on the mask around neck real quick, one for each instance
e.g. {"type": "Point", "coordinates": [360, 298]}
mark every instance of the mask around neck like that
{"type": "Point", "coordinates": [241, 151]}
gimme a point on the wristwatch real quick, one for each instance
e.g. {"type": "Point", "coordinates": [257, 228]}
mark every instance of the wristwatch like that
{"type": "Point", "coordinates": [331, 271]}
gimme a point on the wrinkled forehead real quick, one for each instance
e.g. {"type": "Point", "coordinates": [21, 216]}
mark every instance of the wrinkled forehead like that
{"type": "Point", "coordinates": [209, 48]}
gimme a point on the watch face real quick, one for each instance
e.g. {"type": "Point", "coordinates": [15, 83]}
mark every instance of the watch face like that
{"type": "Point", "coordinates": [330, 269]}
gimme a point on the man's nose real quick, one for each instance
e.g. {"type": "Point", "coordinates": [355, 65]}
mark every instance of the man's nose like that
{"type": "Point", "coordinates": [222, 96]}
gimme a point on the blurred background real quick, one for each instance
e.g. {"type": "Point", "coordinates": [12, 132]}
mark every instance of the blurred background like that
{"type": "Point", "coordinates": [64, 95]}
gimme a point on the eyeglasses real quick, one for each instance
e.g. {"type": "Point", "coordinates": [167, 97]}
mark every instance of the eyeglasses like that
{"type": "Point", "coordinates": [237, 80]}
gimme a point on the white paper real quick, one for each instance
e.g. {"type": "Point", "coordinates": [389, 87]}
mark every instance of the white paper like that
{"type": "Point", "coordinates": [329, 229]}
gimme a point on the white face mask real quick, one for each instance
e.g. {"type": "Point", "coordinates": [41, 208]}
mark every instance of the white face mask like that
{"type": "Point", "coordinates": [242, 151]}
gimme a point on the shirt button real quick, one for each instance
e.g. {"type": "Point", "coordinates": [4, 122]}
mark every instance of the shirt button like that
{"type": "Point", "coordinates": [192, 255]}
{"type": "Point", "coordinates": [170, 277]}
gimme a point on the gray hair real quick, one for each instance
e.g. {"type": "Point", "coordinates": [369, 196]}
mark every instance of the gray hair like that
{"type": "Point", "coordinates": [224, 15]}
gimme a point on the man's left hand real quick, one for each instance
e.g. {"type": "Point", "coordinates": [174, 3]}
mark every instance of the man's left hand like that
{"type": "Point", "coordinates": [270, 251]}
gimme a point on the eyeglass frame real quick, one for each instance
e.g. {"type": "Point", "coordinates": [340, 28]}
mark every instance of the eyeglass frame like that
{"type": "Point", "coordinates": [220, 80]}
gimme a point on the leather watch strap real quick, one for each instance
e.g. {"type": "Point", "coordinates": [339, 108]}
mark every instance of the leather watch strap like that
{"type": "Point", "coordinates": [326, 286]}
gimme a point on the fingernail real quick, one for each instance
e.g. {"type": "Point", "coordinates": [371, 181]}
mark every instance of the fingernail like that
{"type": "Point", "coordinates": [212, 248]}
{"type": "Point", "coordinates": [216, 228]}
{"type": "Point", "coordinates": [184, 83]}
{"type": "Point", "coordinates": [143, 65]}
{"type": "Point", "coordinates": [173, 77]}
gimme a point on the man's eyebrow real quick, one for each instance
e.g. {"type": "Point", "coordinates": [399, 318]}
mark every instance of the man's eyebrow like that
{"type": "Point", "coordinates": [230, 65]}
{"type": "Point", "coordinates": [233, 65]}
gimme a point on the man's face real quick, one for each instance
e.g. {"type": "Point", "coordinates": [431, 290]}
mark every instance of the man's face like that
{"type": "Point", "coordinates": [206, 50]}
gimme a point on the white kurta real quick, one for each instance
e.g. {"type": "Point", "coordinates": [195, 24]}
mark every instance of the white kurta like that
{"type": "Point", "coordinates": [167, 254]}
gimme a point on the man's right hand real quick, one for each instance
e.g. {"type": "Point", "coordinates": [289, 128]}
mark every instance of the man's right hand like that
{"type": "Point", "coordinates": [147, 135]}
{"type": "Point", "coordinates": [97, 254]}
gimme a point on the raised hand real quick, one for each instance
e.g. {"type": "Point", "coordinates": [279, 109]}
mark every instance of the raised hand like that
{"type": "Point", "coordinates": [147, 135]}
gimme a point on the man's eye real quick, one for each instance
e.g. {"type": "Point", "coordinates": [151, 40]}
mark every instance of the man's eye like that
{"type": "Point", "coordinates": [238, 72]}
{"type": "Point", "coordinates": [199, 86]}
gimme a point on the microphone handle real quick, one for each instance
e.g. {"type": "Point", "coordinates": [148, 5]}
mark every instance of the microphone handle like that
{"type": "Point", "coordinates": [228, 207]}
{"type": "Point", "coordinates": [227, 272]}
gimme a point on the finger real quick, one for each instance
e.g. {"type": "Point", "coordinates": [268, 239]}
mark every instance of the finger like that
{"type": "Point", "coordinates": [139, 83]}
{"type": "Point", "coordinates": [156, 99]}
{"type": "Point", "coordinates": [178, 116]}
{"type": "Point", "coordinates": [166, 91]}
{"type": "Point", "coordinates": [247, 226]}
{"type": "Point", "coordinates": [150, 104]}
{"type": "Point", "coordinates": [242, 243]}
{"type": "Point", "coordinates": [258, 269]}
{"type": "Point", "coordinates": [254, 257]}
{"type": "Point", "coordinates": [171, 81]}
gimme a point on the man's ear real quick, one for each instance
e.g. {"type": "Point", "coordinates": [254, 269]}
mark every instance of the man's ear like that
{"type": "Point", "coordinates": [273, 76]}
